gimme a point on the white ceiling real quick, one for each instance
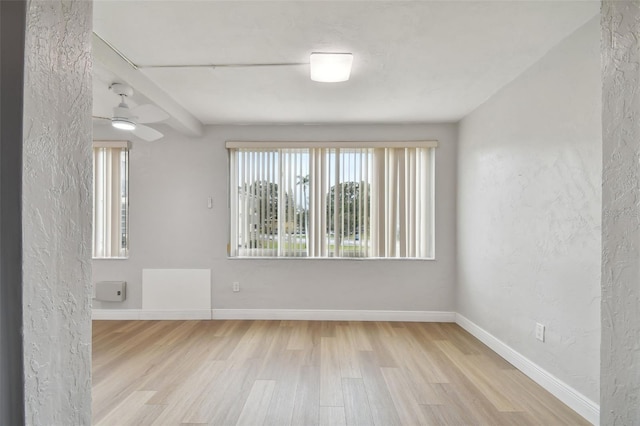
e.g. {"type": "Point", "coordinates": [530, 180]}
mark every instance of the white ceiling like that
{"type": "Point", "coordinates": [413, 61]}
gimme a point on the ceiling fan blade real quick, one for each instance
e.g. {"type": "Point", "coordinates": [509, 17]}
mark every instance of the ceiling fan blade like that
{"type": "Point", "coordinates": [100, 118]}
{"type": "Point", "coordinates": [147, 133]}
{"type": "Point", "coordinates": [149, 113]}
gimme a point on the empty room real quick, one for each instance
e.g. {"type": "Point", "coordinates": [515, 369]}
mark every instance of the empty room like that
{"type": "Point", "coordinates": [320, 213]}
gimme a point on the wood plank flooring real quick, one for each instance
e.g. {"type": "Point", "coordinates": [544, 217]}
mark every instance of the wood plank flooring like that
{"type": "Point", "coordinates": [308, 373]}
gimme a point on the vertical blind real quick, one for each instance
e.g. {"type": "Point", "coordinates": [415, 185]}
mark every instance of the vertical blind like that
{"type": "Point", "coordinates": [331, 200]}
{"type": "Point", "coordinates": [110, 199]}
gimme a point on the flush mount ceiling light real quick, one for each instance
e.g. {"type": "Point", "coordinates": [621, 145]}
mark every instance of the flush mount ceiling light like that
{"type": "Point", "coordinates": [330, 67]}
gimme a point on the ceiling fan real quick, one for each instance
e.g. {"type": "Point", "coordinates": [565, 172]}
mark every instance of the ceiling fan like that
{"type": "Point", "coordinates": [131, 120]}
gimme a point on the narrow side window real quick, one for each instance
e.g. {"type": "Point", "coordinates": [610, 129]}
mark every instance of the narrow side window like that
{"type": "Point", "coordinates": [110, 199]}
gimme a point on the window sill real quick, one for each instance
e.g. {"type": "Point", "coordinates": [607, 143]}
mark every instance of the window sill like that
{"type": "Point", "coordinates": [110, 258]}
{"type": "Point", "coordinates": [339, 259]}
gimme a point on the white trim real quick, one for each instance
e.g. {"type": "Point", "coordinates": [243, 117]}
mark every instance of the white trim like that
{"type": "Point", "coordinates": [329, 144]}
{"type": "Point", "coordinates": [115, 314]}
{"type": "Point", "coordinates": [148, 314]}
{"type": "Point", "coordinates": [565, 393]}
{"type": "Point", "coordinates": [333, 315]}
{"type": "Point", "coordinates": [276, 314]}
{"type": "Point", "coordinates": [333, 259]}
{"type": "Point", "coordinates": [199, 314]}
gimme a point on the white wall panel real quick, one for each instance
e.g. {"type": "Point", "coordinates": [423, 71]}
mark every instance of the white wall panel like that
{"type": "Point", "coordinates": [176, 289]}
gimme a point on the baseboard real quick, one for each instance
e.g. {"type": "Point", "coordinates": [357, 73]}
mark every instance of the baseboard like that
{"type": "Point", "coordinates": [333, 315]}
{"type": "Point", "coordinates": [276, 314]}
{"type": "Point", "coordinates": [565, 393]}
{"type": "Point", "coordinates": [200, 314]}
{"type": "Point", "coordinates": [115, 314]}
{"type": "Point", "coordinates": [146, 314]}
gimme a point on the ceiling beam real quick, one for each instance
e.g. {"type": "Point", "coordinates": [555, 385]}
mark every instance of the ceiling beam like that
{"type": "Point", "coordinates": [180, 119]}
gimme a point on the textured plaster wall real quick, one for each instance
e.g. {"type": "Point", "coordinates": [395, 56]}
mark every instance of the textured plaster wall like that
{"type": "Point", "coordinates": [529, 209]}
{"type": "Point", "coordinates": [56, 213]}
{"type": "Point", "coordinates": [620, 368]}
{"type": "Point", "coordinates": [171, 227]}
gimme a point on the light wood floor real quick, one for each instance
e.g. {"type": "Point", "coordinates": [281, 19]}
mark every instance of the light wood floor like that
{"type": "Point", "coordinates": [308, 373]}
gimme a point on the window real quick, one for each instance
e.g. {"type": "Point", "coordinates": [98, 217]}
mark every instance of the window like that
{"type": "Point", "coordinates": [353, 200]}
{"type": "Point", "coordinates": [110, 199]}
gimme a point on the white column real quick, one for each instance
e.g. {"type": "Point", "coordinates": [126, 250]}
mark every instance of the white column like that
{"type": "Point", "coordinates": [56, 206]}
{"type": "Point", "coordinates": [620, 309]}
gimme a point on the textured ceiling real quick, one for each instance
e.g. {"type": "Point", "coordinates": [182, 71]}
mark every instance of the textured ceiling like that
{"type": "Point", "coordinates": [413, 61]}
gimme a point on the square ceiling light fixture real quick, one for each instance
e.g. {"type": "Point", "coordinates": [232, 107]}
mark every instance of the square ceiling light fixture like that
{"type": "Point", "coordinates": [330, 67]}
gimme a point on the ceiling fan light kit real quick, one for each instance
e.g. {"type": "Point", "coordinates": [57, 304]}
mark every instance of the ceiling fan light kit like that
{"type": "Point", "coordinates": [123, 119]}
{"type": "Point", "coordinates": [127, 119]}
{"type": "Point", "coordinates": [123, 124]}
{"type": "Point", "coordinates": [330, 67]}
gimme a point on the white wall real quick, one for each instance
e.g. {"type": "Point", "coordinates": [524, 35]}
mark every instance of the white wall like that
{"type": "Point", "coordinates": [171, 227]}
{"type": "Point", "coordinates": [529, 198]}
{"type": "Point", "coordinates": [620, 372]}
{"type": "Point", "coordinates": [56, 218]}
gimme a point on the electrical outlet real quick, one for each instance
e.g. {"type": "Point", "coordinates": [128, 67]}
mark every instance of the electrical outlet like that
{"type": "Point", "coordinates": [236, 286]}
{"type": "Point", "coordinates": [540, 332]}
